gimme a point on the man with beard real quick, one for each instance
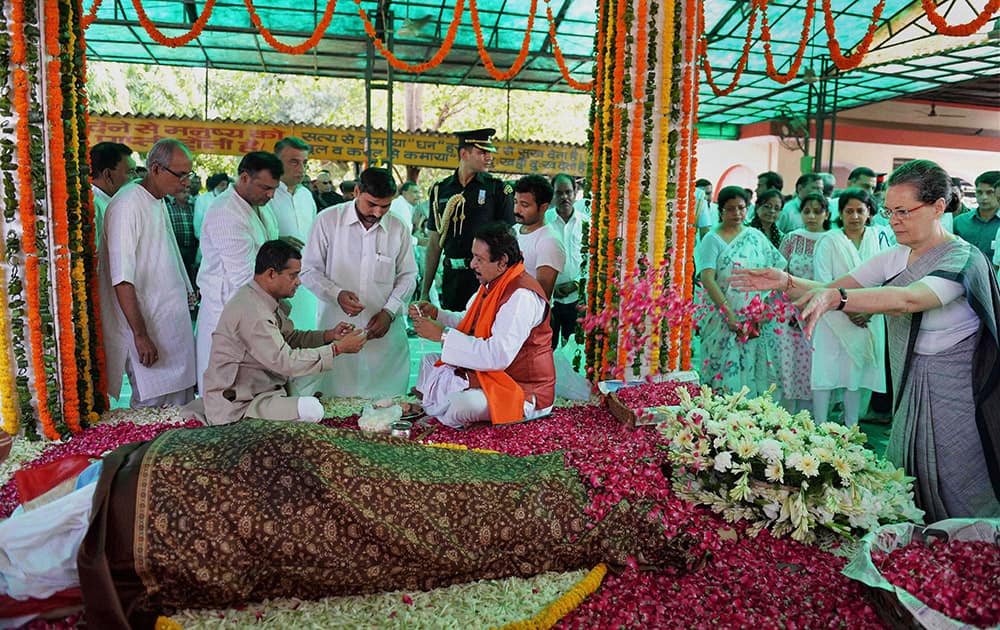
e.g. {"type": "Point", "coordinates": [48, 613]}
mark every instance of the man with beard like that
{"type": "Point", "coordinates": [544, 255]}
{"type": "Point", "coordinates": [359, 263]}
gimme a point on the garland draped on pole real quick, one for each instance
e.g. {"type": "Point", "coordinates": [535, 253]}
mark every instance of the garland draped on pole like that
{"type": "Point", "coordinates": [48, 335]}
{"type": "Point", "coordinates": [643, 114]}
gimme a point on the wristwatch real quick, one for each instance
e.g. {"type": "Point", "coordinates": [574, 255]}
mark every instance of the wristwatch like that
{"type": "Point", "coordinates": [843, 298]}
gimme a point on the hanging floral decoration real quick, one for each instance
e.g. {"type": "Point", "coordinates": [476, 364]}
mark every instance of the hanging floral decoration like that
{"type": "Point", "coordinates": [796, 63]}
{"type": "Point", "coordinates": [742, 63]}
{"type": "Point", "coordinates": [558, 54]}
{"type": "Point", "coordinates": [309, 44]}
{"type": "Point", "coordinates": [173, 42]}
{"type": "Point", "coordinates": [522, 55]}
{"type": "Point", "coordinates": [91, 14]}
{"type": "Point", "coordinates": [854, 60]}
{"type": "Point", "coordinates": [960, 30]}
{"type": "Point", "coordinates": [399, 64]}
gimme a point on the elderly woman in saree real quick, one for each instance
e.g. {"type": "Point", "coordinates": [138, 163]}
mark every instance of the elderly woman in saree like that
{"type": "Point", "coordinates": [943, 305]}
{"type": "Point", "coordinates": [735, 346]}
{"type": "Point", "coordinates": [852, 344]}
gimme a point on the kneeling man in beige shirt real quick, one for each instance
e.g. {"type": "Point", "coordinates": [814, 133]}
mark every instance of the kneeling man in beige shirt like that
{"type": "Point", "coordinates": [256, 349]}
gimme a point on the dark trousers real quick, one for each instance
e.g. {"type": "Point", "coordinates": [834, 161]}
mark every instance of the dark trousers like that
{"type": "Point", "coordinates": [563, 321]}
{"type": "Point", "coordinates": [457, 286]}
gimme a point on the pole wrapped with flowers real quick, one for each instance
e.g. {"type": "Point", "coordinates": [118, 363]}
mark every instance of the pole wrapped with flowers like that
{"type": "Point", "coordinates": [642, 137]}
{"type": "Point", "coordinates": [48, 306]}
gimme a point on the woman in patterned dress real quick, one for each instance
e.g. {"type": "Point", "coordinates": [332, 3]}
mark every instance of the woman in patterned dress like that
{"type": "Point", "coordinates": [794, 350]}
{"type": "Point", "coordinates": [734, 348]}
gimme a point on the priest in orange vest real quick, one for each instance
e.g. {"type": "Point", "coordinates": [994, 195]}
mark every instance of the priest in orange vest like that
{"type": "Point", "coordinates": [495, 363]}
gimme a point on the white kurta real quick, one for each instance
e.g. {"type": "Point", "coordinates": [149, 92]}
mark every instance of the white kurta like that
{"type": "Point", "coordinates": [852, 356]}
{"type": "Point", "coordinates": [572, 236]}
{"type": "Point", "coordinates": [101, 201]}
{"type": "Point", "coordinates": [232, 233]}
{"type": "Point", "coordinates": [138, 247]}
{"type": "Point", "coordinates": [295, 214]}
{"type": "Point", "coordinates": [378, 266]}
{"type": "Point", "coordinates": [513, 324]}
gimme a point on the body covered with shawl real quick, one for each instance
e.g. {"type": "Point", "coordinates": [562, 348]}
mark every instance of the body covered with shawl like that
{"type": "Point", "coordinates": [258, 509]}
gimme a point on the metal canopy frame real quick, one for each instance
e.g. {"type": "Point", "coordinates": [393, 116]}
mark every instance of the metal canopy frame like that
{"type": "Point", "coordinates": [907, 56]}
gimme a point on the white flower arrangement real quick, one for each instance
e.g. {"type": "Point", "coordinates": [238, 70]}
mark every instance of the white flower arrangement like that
{"type": "Point", "coordinates": [750, 459]}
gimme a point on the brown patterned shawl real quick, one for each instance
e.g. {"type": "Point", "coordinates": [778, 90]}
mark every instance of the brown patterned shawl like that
{"type": "Point", "coordinates": [263, 509]}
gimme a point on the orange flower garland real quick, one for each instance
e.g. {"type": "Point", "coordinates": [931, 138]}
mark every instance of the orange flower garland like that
{"type": "Point", "coordinates": [960, 30]}
{"type": "Point", "coordinates": [702, 45]}
{"type": "Point", "coordinates": [522, 55]}
{"type": "Point", "coordinates": [60, 220]}
{"type": "Point", "coordinates": [852, 61]}
{"type": "Point", "coordinates": [403, 66]}
{"type": "Point", "coordinates": [596, 180]}
{"type": "Point", "coordinates": [173, 42]}
{"type": "Point", "coordinates": [560, 59]}
{"type": "Point", "coordinates": [765, 35]}
{"type": "Point", "coordinates": [685, 170]}
{"type": "Point", "coordinates": [614, 196]}
{"type": "Point", "coordinates": [91, 15]}
{"type": "Point", "coordinates": [317, 33]}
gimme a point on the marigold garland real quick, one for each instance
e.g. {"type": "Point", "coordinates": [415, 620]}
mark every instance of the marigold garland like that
{"type": "Point", "coordinates": [59, 198]}
{"type": "Point", "coordinates": [403, 66]}
{"type": "Point", "coordinates": [854, 60]}
{"type": "Point", "coordinates": [959, 30]}
{"type": "Point", "coordinates": [314, 39]}
{"type": "Point", "coordinates": [8, 384]}
{"type": "Point", "coordinates": [565, 604]}
{"type": "Point", "coordinates": [91, 14]}
{"type": "Point", "coordinates": [173, 42]}
{"type": "Point", "coordinates": [765, 36]}
{"type": "Point", "coordinates": [560, 59]}
{"type": "Point", "coordinates": [702, 45]}
{"type": "Point", "coordinates": [522, 55]}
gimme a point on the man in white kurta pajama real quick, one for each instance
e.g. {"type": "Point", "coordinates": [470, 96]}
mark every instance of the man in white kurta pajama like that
{"type": "Point", "coordinates": [294, 208]}
{"type": "Point", "coordinates": [359, 263]}
{"type": "Point", "coordinates": [142, 281]}
{"type": "Point", "coordinates": [235, 227]}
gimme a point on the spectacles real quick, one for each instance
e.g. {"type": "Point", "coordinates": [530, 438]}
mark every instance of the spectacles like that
{"type": "Point", "coordinates": [180, 176]}
{"type": "Point", "coordinates": [902, 213]}
{"type": "Point", "coordinates": [768, 207]}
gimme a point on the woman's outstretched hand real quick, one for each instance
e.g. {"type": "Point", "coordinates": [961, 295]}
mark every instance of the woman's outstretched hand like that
{"type": "Point", "coordinates": [761, 279]}
{"type": "Point", "coordinates": [813, 305]}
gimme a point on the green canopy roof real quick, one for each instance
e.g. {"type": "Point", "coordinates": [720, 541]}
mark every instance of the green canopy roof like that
{"type": "Point", "coordinates": [907, 57]}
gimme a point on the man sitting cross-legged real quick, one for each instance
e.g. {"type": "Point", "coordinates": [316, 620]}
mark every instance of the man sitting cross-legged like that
{"type": "Point", "coordinates": [255, 348]}
{"type": "Point", "coordinates": [496, 363]}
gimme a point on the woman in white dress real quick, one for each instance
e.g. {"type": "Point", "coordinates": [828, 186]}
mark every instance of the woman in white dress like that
{"type": "Point", "coordinates": [794, 350]}
{"type": "Point", "coordinates": [852, 344]}
{"type": "Point", "coordinates": [734, 348]}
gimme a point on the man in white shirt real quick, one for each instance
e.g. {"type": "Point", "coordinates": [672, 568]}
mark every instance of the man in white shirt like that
{"type": "Point", "coordinates": [234, 229]}
{"type": "Point", "coordinates": [404, 204]}
{"type": "Point", "coordinates": [111, 167]}
{"type": "Point", "coordinates": [215, 186]}
{"type": "Point", "coordinates": [359, 263]}
{"type": "Point", "coordinates": [568, 222]}
{"type": "Point", "coordinates": [143, 283]}
{"type": "Point", "coordinates": [791, 214]}
{"type": "Point", "coordinates": [496, 361]}
{"type": "Point", "coordinates": [541, 247]}
{"type": "Point", "coordinates": [294, 208]}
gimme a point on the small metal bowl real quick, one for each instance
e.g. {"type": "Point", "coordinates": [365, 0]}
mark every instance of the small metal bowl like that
{"type": "Point", "coordinates": [401, 429]}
